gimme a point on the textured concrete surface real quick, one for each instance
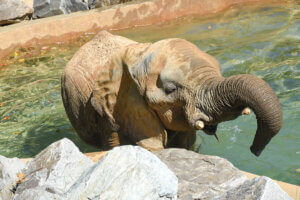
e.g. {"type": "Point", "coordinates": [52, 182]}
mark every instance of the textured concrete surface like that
{"type": "Point", "coordinates": [67, 27]}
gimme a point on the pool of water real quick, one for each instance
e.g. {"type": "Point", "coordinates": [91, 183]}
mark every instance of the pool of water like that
{"type": "Point", "coordinates": [259, 40]}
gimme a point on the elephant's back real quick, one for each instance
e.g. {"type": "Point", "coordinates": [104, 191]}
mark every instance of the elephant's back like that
{"type": "Point", "coordinates": [82, 68]}
{"type": "Point", "coordinates": [78, 79]}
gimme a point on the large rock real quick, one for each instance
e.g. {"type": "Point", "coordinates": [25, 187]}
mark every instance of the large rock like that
{"type": "Point", "coordinates": [9, 170]}
{"type": "Point", "coordinates": [13, 9]}
{"type": "Point", "coordinates": [126, 172]}
{"type": "Point", "coordinates": [201, 176]}
{"type": "Point", "coordinates": [259, 188]}
{"type": "Point", "coordinates": [58, 166]}
{"type": "Point", "coordinates": [46, 8]}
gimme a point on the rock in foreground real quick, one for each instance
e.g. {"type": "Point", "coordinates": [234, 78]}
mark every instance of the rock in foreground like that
{"type": "Point", "coordinates": [9, 170]}
{"type": "Point", "coordinates": [126, 172]}
{"type": "Point", "coordinates": [259, 188]}
{"type": "Point", "coordinates": [58, 166]}
{"type": "Point", "coordinates": [201, 176]}
{"type": "Point", "coordinates": [62, 172]}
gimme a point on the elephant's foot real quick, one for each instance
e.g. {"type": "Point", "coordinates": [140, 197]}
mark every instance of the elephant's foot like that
{"type": "Point", "coordinates": [114, 139]}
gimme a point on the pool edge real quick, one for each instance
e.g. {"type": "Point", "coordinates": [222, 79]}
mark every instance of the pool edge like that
{"type": "Point", "coordinates": [63, 28]}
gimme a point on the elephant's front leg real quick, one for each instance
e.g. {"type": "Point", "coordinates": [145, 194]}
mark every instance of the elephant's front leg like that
{"type": "Point", "coordinates": [114, 139]}
{"type": "Point", "coordinates": [181, 139]}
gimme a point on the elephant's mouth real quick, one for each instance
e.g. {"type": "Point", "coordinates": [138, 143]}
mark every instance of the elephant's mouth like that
{"type": "Point", "coordinates": [210, 129]}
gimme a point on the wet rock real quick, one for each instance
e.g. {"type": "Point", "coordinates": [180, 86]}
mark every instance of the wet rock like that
{"type": "Point", "coordinates": [126, 172]}
{"type": "Point", "coordinates": [12, 10]}
{"type": "Point", "coordinates": [201, 176]}
{"type": "Point", "coordinates": [58, 166]}
{"type": "Point", "coordinates": [259, 188]}
{"type": "Point", "coordinates": [40, 193]}
{"type": "Point", "coordinates": [46, 8]}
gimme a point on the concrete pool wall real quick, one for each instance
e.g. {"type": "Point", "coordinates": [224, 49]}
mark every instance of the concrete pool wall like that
{"type": "Point", "coordinates": [63, 28]}
{"type": "Point", "coordinates": [68, 27]}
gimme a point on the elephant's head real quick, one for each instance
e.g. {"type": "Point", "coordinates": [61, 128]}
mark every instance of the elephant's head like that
{"type": "Point", "coordinates": [184, 86]}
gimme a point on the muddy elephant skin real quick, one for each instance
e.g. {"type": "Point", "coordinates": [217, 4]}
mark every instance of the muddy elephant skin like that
{"type": "Point", "coordinates": [156, 95]}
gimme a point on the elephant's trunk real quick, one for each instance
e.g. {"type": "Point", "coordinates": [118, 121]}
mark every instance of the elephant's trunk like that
{"type": "Point", "coordinates": [240, 91]}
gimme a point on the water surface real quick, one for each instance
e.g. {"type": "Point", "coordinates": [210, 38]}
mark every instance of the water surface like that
{"type": "Point", "coordinates": [259, 40]}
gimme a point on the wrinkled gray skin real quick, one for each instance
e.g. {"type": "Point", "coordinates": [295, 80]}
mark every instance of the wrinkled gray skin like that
{"type": "Point", "coordinates": [116, 91]}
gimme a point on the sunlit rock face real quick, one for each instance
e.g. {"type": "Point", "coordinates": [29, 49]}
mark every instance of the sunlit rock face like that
{"type": "Point", "coordinates": [201, 176]}
{"type": "Point", "coordinates": [58, 166]}
{"type": "Point", "coordinates": [261, 188]}
{"type": "Point", "coordinates": [9, 170]}
{"type": "Point", "coordinates": [211, 177]}
{"type": "Point", "coordinates": [126, 172]}
{"type": "Point", "coordinates": [62, 172]}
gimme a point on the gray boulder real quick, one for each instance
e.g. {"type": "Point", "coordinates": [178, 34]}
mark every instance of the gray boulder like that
{"type": "Point", "coordinates": [58, 166]}
{"type": "Point", "coordinates": [259, 188]}
{"type": "Point", "coordinates": [201, 176]}
{"type": "Point", "coordinates": [46, 8]}
{"type": "Point", "coordinates": [10, 10]}
{"type": "Point", "coordinates": [9, 170]}
{"type": "Point", "coordinates": [126, 172]}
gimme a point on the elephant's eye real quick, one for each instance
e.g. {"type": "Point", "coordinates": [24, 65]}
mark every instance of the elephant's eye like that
{"type": "Point", "coordinates": [169, 88]}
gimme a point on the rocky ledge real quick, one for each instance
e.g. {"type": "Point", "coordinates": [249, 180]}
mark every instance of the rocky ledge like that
{"type": "Point", "coordinates": [62, 172]}
{"type": "Point", "coordinates": [13, 11]}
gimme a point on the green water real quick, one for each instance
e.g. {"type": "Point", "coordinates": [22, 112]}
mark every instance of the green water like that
{"type": "Point", "coordinates": [259, 40]}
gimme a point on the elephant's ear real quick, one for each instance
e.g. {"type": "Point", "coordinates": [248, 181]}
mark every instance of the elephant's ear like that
{"type": "Point", "coordinates": [118, 95]}
{"type": "Point", "coordinates": [136, 60]}
{"type": "Point", "coordinates": [105, 88]}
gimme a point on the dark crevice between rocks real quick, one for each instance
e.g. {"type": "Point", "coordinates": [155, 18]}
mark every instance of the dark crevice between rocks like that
{"type": "Point", "coordinates": [14, 188]}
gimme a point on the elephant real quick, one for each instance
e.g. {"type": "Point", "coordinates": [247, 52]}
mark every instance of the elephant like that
{"type": "Point", "coordinates": [157, 95]}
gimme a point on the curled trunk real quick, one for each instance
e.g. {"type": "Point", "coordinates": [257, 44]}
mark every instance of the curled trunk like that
{"type": "Point", "coordinates": [240, 91]}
